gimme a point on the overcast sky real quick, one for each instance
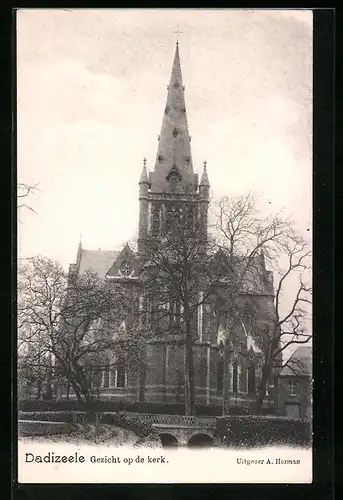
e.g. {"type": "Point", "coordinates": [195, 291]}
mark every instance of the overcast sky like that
{"type": "Point", "coordinates": [92, 87]}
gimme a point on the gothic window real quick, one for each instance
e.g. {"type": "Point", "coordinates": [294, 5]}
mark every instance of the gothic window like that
{"type": "Point", "coordinates": [200, 316]}
{"type": "Point", "coordinates": [167, 110]}
{"type": "Point", "coordinates": [173, 217]}
{"type": "Point", "coordinates": [160, 158]}
{"type": "Point", "coordinates": [90, 374]}
{"type": "Point", "coordinates": [175, 132]}
{"type": "Point", "coordinates": [235, 377]}
{"type": "Point", "coordinates": [106, 379]}
{"type": "Point", "coordinates": [187, 160]}
{"type": "Point", "coordinates": [190, 218]}
{"type": "Point", "coordinates": [175, 313]}
{"type": "Point", "coordinates": [97, 378]}
{"type": "Point", "coordinates": [176, 85]}
{"type": "Point", "coordinates": [251, 380]}
{"type": "Point", "coordinates": [220, 376]}
{"type": "Point", "coordinates": [121, 376]}
{"type": "Point", "coordinates": [155, 220]}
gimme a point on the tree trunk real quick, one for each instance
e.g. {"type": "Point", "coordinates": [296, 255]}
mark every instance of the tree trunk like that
{"type": "Point", "coordinates": [189, 373]}
{"type": "Point", "coordinates": [48, 392]}
{"type": "Point", "coordinates": [142, 378]}
{"type": "Point", "coordinates": [261, 391]}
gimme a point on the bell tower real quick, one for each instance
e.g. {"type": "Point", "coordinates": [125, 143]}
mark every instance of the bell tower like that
{"type": "Point", "coordinates": [172, 187]}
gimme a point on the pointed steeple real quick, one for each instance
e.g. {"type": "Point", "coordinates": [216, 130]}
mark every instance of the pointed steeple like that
{"type": "Point", "coordinates": [174, 151]}
{"type": "Point", "coordinates": [204, 179]}
{"type": "Point", "coordinates": [74, 268]}
{"type": "Point", "coordinates": [144, 175]}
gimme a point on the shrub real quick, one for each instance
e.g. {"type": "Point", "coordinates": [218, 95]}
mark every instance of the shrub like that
{"type": "Point", "coordinates": [120, 419]}
{"type": "Point", "coordinates": [255, 431]}
{"type": "Point", "coordinates": [149, 441]}
{"type": "Point", "coordinates": [48, 416]}
{"type": "Point", "coordinates": [134, 407]}
{"type": "Point", "coordinates": [244, 410]}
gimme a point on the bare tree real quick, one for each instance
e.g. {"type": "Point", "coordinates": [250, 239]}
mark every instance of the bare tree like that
{"type": "Point", "coordinates": [23, 193]}
{"type": "Point", "coordinates": [76, 321]}
{"type": "Point", "coordinates": [179, 274]}
{"type": "Point", "coordinates": [269, 259]}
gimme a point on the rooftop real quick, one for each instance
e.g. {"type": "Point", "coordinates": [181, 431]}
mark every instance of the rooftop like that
{"type": "Point", "coordinates": [100, 261]}
{"type": "Point", "coordinates": [300, 363]}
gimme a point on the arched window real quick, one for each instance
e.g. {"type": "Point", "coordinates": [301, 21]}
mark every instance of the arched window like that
{"type": "Point", "coordinates": [106, 377]}
{"type": "Point", "coordinates": [155, 220]}
{"type": "Point", "coordinates": [220, 376]}
{"type": "Point", "coordinates": [121, 376]}
{"type": "Point", "coordinates": [235, 377]}
{"type": "Point", "coordinates": [175, 313]}
{"type": "Point", "coordinates": [173, 217]}
{"type": "Point", "coordinates": [251, 380]}
{"type": "Point", "coordinates": [190, 218]}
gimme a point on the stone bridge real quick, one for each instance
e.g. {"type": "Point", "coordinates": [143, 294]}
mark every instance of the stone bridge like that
{"type": "Point", "coordinates": [181, 431]}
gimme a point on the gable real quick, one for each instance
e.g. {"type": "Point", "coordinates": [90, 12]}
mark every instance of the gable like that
{"type": "Point", "coordinates": [125, 265]}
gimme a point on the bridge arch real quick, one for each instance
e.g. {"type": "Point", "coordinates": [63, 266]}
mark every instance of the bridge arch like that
{"type": "Point", "coordinates": [168, 440]}
{"type": "Point", "coordinates": [200, 440]}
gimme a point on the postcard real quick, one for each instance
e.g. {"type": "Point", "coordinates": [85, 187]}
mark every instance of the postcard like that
{"type": "Point", "coordinates": [164, 328]}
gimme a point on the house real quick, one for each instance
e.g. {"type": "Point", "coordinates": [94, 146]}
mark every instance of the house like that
{"type": "Point", "coordinates": [295, 385]}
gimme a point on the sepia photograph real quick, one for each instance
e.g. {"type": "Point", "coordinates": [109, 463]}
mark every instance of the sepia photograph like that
{"type": "Point", "coordinates": [164, 200]}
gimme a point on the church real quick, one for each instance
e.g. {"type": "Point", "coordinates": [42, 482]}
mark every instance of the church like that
{"type": "Point", "coordinates": [174, 183]}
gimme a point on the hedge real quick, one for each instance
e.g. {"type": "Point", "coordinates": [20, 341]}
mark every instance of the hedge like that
{"type": "Point", "coordinates": [39, 428]}
{"type": "Point", "coordinates": [113, 406]}
{"type": "Point", "coordinates": [255, 431]}
{"type": "Point", "coordinates": [134, 407]}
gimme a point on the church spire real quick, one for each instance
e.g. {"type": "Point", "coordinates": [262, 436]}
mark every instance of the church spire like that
{"type": "Point", "coordinates": [174, 160]}
{"type": "Point", "coordinates": [144, 175]}
{"type": "Point", "coordinates": [204, 179]}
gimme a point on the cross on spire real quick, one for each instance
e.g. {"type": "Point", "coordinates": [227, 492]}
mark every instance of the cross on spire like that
{"type": "Point", "coordinates": [178, 32]}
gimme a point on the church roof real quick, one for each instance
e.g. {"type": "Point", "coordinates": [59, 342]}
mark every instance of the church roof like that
{"type": "Point", "coordinates": [300, 363]}
{"type": "Point", "coordinates": [174, 150]}
{"type": "Point", "coordinates": [100, 261]}
{"type": "Point", "coordinates": [255, 279]}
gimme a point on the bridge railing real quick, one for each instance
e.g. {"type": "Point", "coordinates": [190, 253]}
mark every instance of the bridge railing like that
{"type": "Point", "coordinates": [153, 418]}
